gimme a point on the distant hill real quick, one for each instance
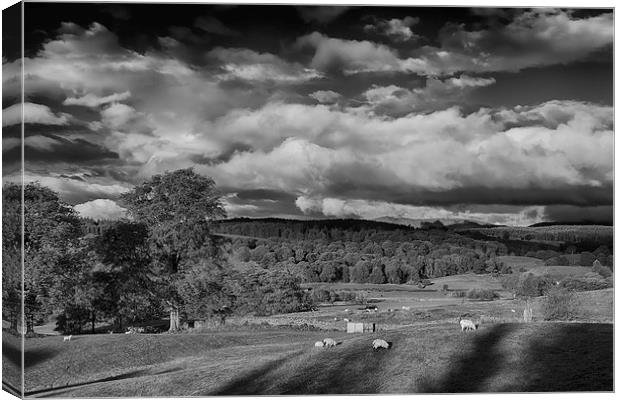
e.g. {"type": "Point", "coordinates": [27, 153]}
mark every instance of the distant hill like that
{"type": "Point", "coordinates": [563, 223]}
{"type": "Point", "coordinates": [416, 222]}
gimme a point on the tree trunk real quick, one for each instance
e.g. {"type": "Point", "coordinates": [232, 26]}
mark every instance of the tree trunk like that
{"type": "Point", "coordinates": [93, 317]}
{"type": "Point", "coordinates": [174, 319]}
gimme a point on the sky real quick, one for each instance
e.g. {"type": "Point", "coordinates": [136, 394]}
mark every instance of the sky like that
{"type": "Point", "coordinates": [500, 116]}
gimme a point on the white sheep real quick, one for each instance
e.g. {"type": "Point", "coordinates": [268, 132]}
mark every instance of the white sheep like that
{"type": "Point", "coordinates": [319, 344]}
{"type": "Point", "coordinates": [380, 343]}
{"type": "Point", "coordinates": [67, 338]}
{"type": "Point", "coordinates": [328, 342]}
{"type": "Point", "coordinates": [346, 320]}
{"type": "Point", "coordinates": [467, 325]}
{"type": "Point", "coordinates": [406, 308]}
{"type": "Point", "coordinates": [346, 310]}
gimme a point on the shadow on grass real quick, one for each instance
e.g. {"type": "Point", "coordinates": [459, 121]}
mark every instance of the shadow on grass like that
{"type": "Point", "coordinates": [557, 358]}
{"type": "Point", "coordinates": [570, 357]}
{"type": "Point", "coordinates": [327, 372]}
{"type": "Point", "coordinates": [254, 382]}
{"type": "Point", "coordinates": [471, 371]}
{"type": "Point", "coordinates": [55, 392]}
{"type": "Point", "coordinates": [31, 357]}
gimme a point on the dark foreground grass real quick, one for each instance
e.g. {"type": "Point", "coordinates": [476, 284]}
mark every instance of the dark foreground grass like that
{"type": "Point", "coordinates": [434, 359]}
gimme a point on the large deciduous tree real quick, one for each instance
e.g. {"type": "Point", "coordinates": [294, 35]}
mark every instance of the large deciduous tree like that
{"type": "Point", "coordinates": [177, 207]}
{"type": "Point", "coordinates": [50, 238]}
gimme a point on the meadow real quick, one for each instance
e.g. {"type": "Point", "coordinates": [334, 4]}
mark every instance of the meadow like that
{"type": "Point", "coordinates": [430, 354]}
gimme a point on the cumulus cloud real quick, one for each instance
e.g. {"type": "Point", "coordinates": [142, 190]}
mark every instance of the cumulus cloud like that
{"type": "Point", "coordinates": [91, 100]}
{"type": "Point", "coordinates": [437, 94]}
{"type": "Point", "coordinates": [101, 209]}
{"type": "Point", "coordinates": [343, 208]}
{"type": "Point", "coordinates": [325, 96]}
{"type": "Point", "coordinates": [350, 56]}
{"type": "Point", "coordinates": [33, 114]}
{"type": "Point", "coordinates": [76, 191]}
{"type": "Point", "coordinates": [213, 25]}
{"type": "Point", "coordinates": [403, 159]}
{"type": "Point", "coordinates": [321, 14]}
{"type": "Point", "coordinates": [249, 65]}
{"type": "Point", "coordinates": [534, 38]}
{"type": "Point", "coordinates": [396, 29]}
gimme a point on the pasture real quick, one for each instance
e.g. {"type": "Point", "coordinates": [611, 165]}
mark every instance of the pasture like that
{"type": "Point", "coordinates": [432, 358]}
{"type": "Point", "coordinates": [276, 354]}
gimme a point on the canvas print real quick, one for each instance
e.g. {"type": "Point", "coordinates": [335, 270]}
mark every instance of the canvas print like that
{"type": "Point", "coordinates": [204, 200]}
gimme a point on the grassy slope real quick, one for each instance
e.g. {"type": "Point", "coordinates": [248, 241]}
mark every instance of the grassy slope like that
{"type": "Point", "coordinates": [428, 358]}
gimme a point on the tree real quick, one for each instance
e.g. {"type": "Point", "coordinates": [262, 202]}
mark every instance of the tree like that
{"type": "Point", "coordinates": [131, 291]}
{"type": "Point", "coordinates": [177, 207]}
{"type": "Point", "coordinates": [51, 232]}
{"type": "Point", "coordinates": [207, 293]}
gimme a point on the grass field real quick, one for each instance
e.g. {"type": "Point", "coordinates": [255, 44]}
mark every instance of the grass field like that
{"type": "Point", "coordinates": [436, 358]}
{"type": "Point", "coordinates": [275, 355]}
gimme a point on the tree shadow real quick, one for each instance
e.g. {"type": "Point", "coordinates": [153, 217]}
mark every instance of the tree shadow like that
{"type": "Point", "coordinates": [253, 382]}
{"type": "Point", "coordinates": [55, 392]}
{"type": "Point", "coordinates": [470, 372]}
{"type": "Point", "coordinates": [31, 357]}
{"type": "Point", "coordinates": [559, 357]}
{"type": "Point", "coordinates": [570, 357]}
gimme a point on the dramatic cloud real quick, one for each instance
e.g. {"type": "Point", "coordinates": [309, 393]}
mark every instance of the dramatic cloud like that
{"type": "Point", "coordinates": [437, 94]}
{"type": "Point", "coordinates": [363, 156]}
{"type": "Point", "coordinates": [321, 14]}
{"type": "Point", "coordinates": [533, 39]}
{"type": "Point", "coordinates": [99, 209]}
{"type": "Point", "coordinates": [325, 96]}
{"type": "Point", "coordinates": [213, 25]}
{"type": "Point", "coordinates": [288, 119]}
{"type": "Point", "coordinates": [33, 113]}
{"type": "Point", "coordinates": [248, 65]}
{"type": "Point", "coordinates": [396, 29]}
{"type": "Point", "coordinates": [91, 100]}
{"type": "Point", "coordinates": [333, 207]}
{"type": "Point", "coordinates": [350, 56]}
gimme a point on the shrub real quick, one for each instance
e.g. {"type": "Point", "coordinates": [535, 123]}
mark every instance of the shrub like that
{"type": "Point", "coordinates": [444, 288]}
{"type": "Point", "coordinates": [602, 270]}
{"type": "Point", "coordinates": [482, 294]}
{"type": "Point", "coordinates": [510, 282]}
{"type": "Point", "coordinates": [530, 285]}
{"type": "Point", "coordinates": [590, 281]}
{"type": "Point", "coordinates": [560, 304]}
{"type": "Point", "coordinates": [505, 269]}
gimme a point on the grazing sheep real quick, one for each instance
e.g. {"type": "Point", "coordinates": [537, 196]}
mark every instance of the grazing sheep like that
{"type": "Point", "coordinates": [328, 342]}
{"type": "Point", "coordinates": [319, 344]}
{"type": "Point", "coordinates": [406, 308]}
{"type": "Point", "coordinates": [67, 338]}
{"type": "Point", "coordinates": [467, 325]}
{"type": "Point", "coordinates": [335, 318]}
{"type": "Point", "coordinates": [346, 320]}
{"type": "Point", "coordinates": [380, 344]}
{"type": "Point", "coordinates": [512, 311]}
{"type": "Point", "coordinates": [346, 310]}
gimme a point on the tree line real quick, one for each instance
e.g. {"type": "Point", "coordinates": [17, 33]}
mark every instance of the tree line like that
{"type": "Point", "coordinates": [357, 250]}
{"type": "Point", "coordinates": [163, 260]}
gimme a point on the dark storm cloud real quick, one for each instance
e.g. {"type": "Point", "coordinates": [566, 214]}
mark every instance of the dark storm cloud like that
{"type": "Point", "coordinates": [572, 195]}
{"type": "Point", "coordinates": [321, 14]}
{"type": "Point", "coordinates": [213, 25]}
{"type": "Point", "coordinates": [566, 213]}
{"type": "Point", "coordinates": [51, 148]}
